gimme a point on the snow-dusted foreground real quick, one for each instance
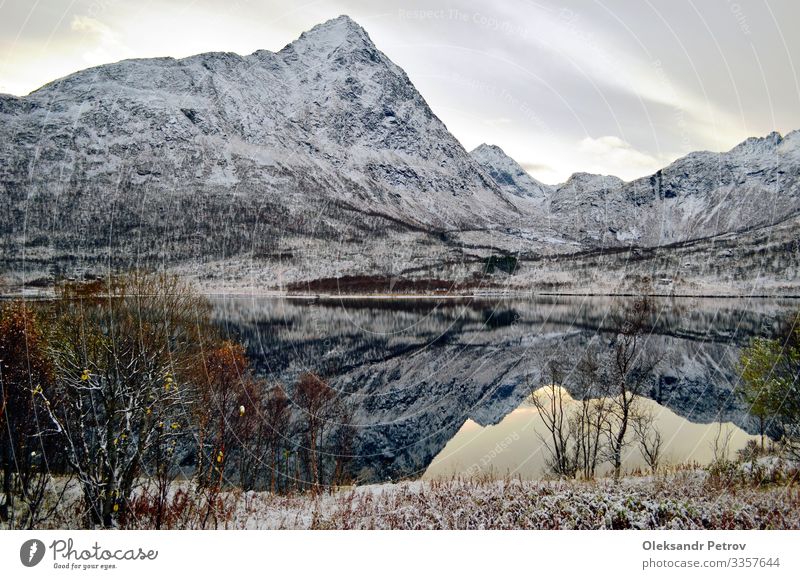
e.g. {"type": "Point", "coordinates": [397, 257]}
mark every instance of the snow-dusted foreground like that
{"type": "Point", "coordinates": [679, 502]}
{"type": "Point", "coordinates": [734, 495]}
{"type": "Point", "coordinates": [683, 501]}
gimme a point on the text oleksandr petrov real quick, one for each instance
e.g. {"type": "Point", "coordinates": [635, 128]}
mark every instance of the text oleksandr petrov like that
{"type": "Point", "coordinates": [692, 546]}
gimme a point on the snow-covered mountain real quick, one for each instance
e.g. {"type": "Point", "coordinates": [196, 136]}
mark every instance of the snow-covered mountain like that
{"type": "Point", "coordinates": [755, 184]}
{"type": "Point", "coordinates": [509, 174]}
{"type": "Point", "coordinates": [321, 161]}
{"type": "Point", "coordinates": [221, 154]}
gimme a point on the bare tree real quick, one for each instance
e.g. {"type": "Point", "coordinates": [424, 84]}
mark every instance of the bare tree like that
{"type": "Point", "coordinates": [325, 428]}
{"type": "Point", "coordinates": [260, 427]}
{"type": "Point", "coordinates": [317, 403]}
{"type": "Point", "coordinates": [222, 380]}
{"type": "Point", "coordinates": [25, 370]}
{"type": "Point", "coordinates": [591, 415]}
{"type": "Point", "coordinates": [649, 438]}
{"type": "Point", "coordinates": [608, 381]}
{"type": "Point", "coordinates": [341, 445]}
{"type": "Point", "coordinates": [276, 424]}
{"type": "Point", "coordinates": [721, 443]}
{"type": "Point", "coordinates": [551, 402]}
{"type": "Point", "coordinates": [626, 373]}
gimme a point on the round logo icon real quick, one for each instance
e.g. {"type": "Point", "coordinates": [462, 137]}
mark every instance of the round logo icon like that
{"type": "Point", "coordinates": [31, 553]}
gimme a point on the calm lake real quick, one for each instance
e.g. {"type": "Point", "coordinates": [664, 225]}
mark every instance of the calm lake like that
{"type": "Point", "coordinates": [439, 386]}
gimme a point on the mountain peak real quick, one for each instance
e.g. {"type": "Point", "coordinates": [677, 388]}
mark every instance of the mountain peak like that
{"type": "Point", "coordinates": [582, 181]}
{"type": "Point", "coordinates": [507, 173]}
{"type": "Point", "coordinates": [342, 25]}
{"type": "Point", "coordinates": [331, 35]}
{"type": "Point", "coordinates": [343, 20]}
{"type": "Point", "coordinates": [758, 144]}
{"type": "Point", "coordinates": [485, 147]}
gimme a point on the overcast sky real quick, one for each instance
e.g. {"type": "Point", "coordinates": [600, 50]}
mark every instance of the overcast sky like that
{"type": "Point", "coordinates": [614, 86]}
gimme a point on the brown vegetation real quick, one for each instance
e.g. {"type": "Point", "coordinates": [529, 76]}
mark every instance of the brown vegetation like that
{"type": "Point", "coordinates": [370, 284]}
{"type": "Point", "coordinates": [125, 384]}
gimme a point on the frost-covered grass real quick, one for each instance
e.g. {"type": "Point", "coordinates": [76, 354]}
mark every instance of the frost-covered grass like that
{"type": "Point", "coordinates": [685, 499]}
{"type": "Point", "coordinates": [690, 498]}
{"type": "Point", "coordinates": [680, 501]}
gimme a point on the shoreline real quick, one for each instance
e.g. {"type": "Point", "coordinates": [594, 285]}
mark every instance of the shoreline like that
{"type": "Point", "coordinates": [518, 294]}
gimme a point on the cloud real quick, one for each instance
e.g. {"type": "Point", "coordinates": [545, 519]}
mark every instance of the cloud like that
{"type": "Point", "coordinates": [499, 121]}
{"type": "Point", "coordinates": [618, 156]}
{"type": "Point", "coordinates": [600, 57]}
{"type": "Point", "coordinates": [529, 166]}
{"type": "Point", "coordinates": [107, 46]}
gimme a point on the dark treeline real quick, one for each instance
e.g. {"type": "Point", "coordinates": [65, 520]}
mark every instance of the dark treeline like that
{"type": "Point", "coordinates": [125, 387]}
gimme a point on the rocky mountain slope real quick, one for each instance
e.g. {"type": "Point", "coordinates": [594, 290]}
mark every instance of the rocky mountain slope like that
{"type": "Point", "coordinates": [701, 195]}
{"type": "Point", "coordinates": [755, 184]}
{"type": "Point", "coordinates": [220, 154]}
{"type": "Point", "coordinates": [709, 223]}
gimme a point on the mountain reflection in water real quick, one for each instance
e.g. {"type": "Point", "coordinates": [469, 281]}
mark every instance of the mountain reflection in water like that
{"type": "Point", "coordinates": [422, 373]}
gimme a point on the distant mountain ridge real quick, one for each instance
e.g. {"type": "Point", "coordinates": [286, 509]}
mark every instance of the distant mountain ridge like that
{"type": "Point", "coordinates": [702, 194]}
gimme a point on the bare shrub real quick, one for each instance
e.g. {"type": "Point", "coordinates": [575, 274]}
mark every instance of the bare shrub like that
{"type": "Point", "coordinates": [121, 353]}
{"type": "Point", "coordinates": [552, 403]}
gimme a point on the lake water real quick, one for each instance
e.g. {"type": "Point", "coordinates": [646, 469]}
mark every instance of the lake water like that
{"type": "Point", "coordinates": [439, 386]}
